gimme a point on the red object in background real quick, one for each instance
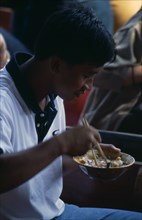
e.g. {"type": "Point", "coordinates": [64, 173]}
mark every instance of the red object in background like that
{"type": "Point", "coordinates": [74, 108]}
{"type": "Point", "coordinates": [6, 18]}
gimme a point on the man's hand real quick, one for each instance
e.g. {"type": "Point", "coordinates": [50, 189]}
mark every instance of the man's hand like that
{"type": "Point", "coordinates": [77, 140]}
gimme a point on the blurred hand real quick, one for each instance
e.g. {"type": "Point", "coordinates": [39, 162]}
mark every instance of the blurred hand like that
{"type": "Point", "coordinates": [4, 54]}
{"type": "Point", "coordinates": [77, 141]}
{"type": "Point", "coordinates": [111, 150]}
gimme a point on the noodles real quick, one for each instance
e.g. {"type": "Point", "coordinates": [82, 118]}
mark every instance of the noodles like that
{"type": "Point", "coordinates": [87, 159]}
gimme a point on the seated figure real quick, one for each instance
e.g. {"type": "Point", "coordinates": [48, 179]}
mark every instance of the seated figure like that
{"type": "Point", "coordinates": [114, 102]}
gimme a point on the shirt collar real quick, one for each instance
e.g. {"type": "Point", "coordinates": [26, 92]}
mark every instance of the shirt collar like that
{"type": "Point", "coordinates": [21, 82]}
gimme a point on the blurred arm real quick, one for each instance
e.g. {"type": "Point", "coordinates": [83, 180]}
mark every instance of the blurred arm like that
{"type": "Point", "coordinates": [4, 54]}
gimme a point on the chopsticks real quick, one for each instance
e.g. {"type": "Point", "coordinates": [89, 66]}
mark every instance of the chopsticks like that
{"type": "Point", "coordinates": [85, 123]}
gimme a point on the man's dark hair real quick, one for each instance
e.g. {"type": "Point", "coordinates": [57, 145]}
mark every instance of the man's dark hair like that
{"type": "Point", "coordinates": [77, 36]}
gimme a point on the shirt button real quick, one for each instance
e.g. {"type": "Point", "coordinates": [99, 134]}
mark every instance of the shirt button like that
{"type": "Point", "coordinates": [46, 123]}
{"type": "Point", "coordinates": [42, 115]}
{"type": "Point", "coordinates": [38, 125]}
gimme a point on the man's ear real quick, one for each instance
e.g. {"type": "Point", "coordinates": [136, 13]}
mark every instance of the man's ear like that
{"type": "Point", "coordinates": [55, 64]}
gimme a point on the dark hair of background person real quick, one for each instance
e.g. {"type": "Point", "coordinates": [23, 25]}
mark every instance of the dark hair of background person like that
{"type": "Point", "coordinates": [81, 39]}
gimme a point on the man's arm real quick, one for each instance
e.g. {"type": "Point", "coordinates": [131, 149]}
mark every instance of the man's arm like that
{"type": "Point", "coordinates": [134, 76]}
{"type": "Point", "coordinates": [16, 168]}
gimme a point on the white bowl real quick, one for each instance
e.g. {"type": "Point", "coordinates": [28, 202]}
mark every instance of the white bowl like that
{"type": "Point", "coordinates": [106, 174]}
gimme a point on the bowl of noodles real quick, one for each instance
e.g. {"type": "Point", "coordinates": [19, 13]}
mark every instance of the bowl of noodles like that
{"type": "Point", "coordinates": [99, 169]}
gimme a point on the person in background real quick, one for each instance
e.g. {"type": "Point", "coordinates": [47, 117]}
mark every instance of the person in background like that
{"type": "Point", "coordinates": [4, 53]}
{"type": "Point", "coordinates": [123, 10]}
{"type": "Point", "coordinates": [33, 88]}
{"type": "Point", "coordinates": [12, 43]}
{"type": "Point", "coordinates": [115, 100]}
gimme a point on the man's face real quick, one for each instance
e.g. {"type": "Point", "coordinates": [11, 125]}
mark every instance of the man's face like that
{"type": "Point", "coordinates": [73, 80]}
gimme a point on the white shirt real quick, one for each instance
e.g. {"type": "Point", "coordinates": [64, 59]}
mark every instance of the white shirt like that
{"type": "Point", "coordinates": [37, 198]}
